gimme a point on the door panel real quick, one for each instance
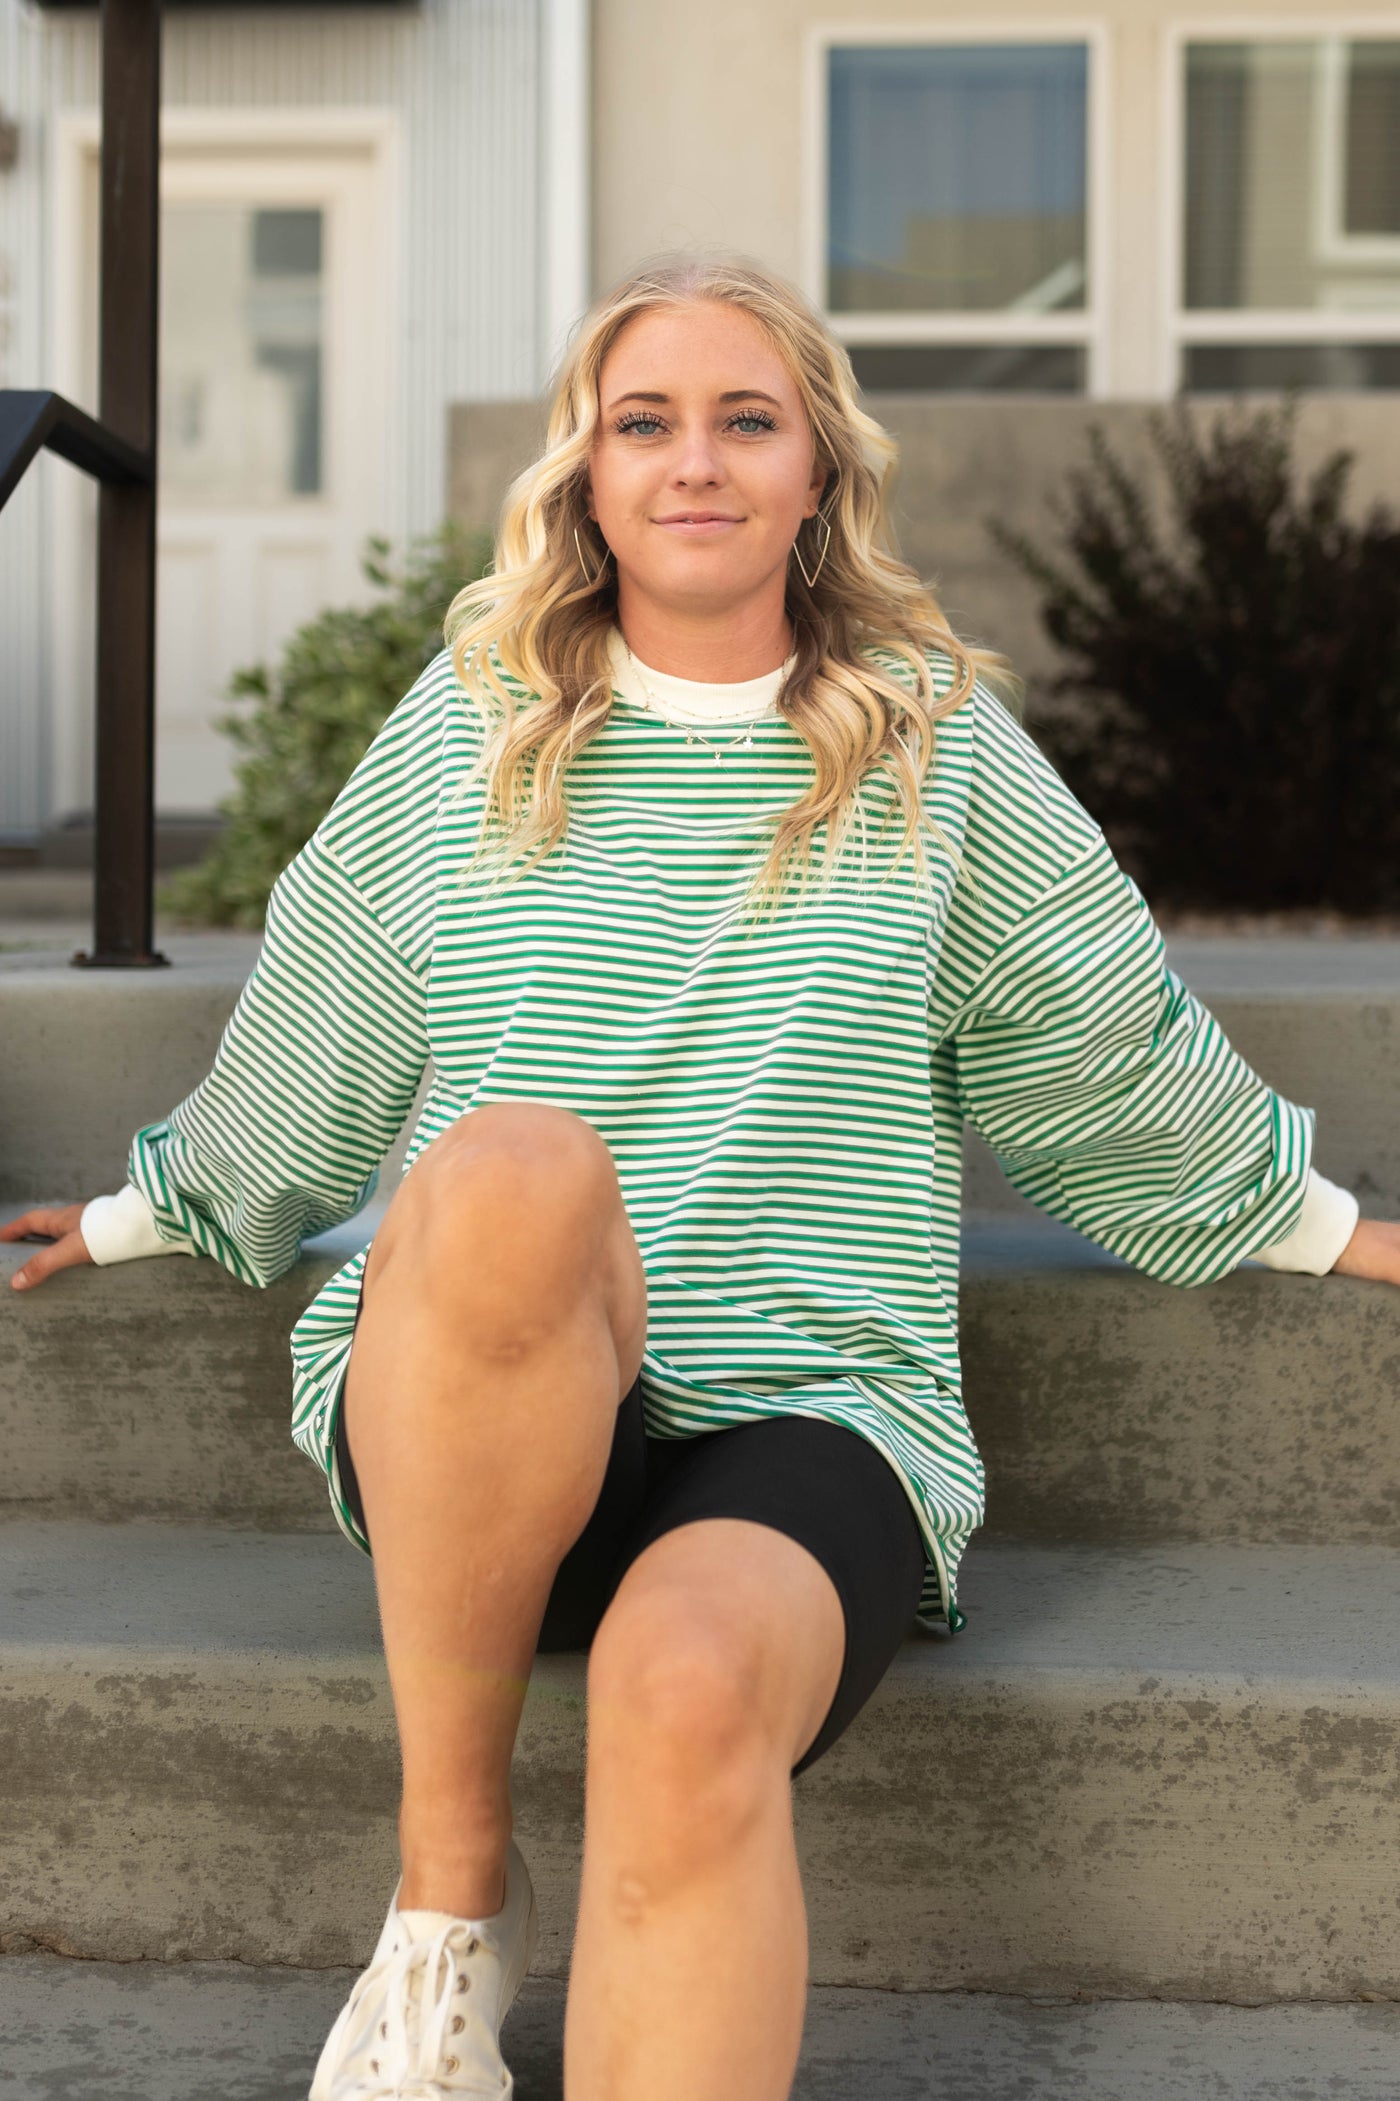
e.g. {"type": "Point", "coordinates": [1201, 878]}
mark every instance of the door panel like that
{"type": "Point", "coordinates": [272, 442]}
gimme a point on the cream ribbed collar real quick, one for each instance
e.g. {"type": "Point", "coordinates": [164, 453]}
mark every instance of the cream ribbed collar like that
{"type": "Point", "coordinates": [695, 700]}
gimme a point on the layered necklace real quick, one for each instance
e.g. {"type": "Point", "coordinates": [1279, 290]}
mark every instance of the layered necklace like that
{"type": "Point", "coordinates": [692, 734]}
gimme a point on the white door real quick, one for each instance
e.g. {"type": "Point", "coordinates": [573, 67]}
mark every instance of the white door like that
{"type": "Point", "coordinates": [274, 356]}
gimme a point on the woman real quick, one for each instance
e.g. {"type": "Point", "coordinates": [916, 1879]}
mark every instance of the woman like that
{"type": "Point", "coordinates": [654, 1348]}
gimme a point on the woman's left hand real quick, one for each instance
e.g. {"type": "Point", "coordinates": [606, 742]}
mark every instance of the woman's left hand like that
{"type": "Point", "coordinates": [1372, 1251]}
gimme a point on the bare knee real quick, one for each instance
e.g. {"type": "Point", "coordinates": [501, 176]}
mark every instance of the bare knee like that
{"type": "Point", "coordinates": [675, 1726]}
{"type": "Point", "coordinates": [501, 1218]}
{"type": "Point", "coordinates": [515, 1144]}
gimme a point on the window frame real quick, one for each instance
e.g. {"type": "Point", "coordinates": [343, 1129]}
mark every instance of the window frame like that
{"type": "Point", "coordinates": [1087, 325]}
{"type": "Point", "coordinates": [1185, 326]}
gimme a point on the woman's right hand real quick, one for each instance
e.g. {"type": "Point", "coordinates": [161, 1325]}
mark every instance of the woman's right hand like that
{"type": "Point", "coordinates": [59, 1225]}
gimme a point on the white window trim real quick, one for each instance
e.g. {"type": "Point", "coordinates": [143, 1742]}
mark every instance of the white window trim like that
{"type": "Point", "coordinates": [565, 191]}
{"type": "Point", "coordinates": [1330, 236]}
{"type": "Point", "coordinates": [1185, 325]}
{"type": "Point", "coordinates": [1089, 324]}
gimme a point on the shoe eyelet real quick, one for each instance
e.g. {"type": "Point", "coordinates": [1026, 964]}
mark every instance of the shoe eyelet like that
{"type": "Point", "coordinates": [458, 2024]}
{"type": "Point", "coordinates": [384, 2030]}
{"type": "Point", "coordinates": [462, 1983]}
{"type": "Point", "coordinates": [374, 2064]}
{"type": "Point", "coordinates": [472, 1945]}
{"type": "Point", "coordinates": [452, 2064]}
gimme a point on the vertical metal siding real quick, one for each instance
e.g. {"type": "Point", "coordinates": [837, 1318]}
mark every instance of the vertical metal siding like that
{"type": "Point", "coordinates": [23, 610]}
{"type": "Point", "coordinates": [462, 76]}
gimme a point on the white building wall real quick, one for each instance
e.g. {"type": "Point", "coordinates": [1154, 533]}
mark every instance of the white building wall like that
{"type": "Point", "coordinates": [463, 78]}
{"type": "Point", "coordinates": [24, 519]}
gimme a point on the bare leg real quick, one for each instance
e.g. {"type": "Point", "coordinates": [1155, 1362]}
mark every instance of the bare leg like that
{"type": "Point", "coordinates": [711, 1673]}
{"type": "Point", "coordinates": [504, 1317]}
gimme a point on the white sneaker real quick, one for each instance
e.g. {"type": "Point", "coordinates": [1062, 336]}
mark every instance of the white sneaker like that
{"type": "Point", "coordinates": [423, 2021]}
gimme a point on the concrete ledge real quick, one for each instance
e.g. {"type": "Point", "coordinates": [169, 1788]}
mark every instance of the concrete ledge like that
{"type": "Point", "coordinates": [1330, 1049]}
{"type": "Point", "coordinates": [1166, 1774]}
{"type": "Point", "coordinates": [157, 1389]}
{"type": "Point", "coordinates": [90, 1056]}
{"type": "Point", "coordinates": [131, 2031]}
{"type": "Point", "coordinates": [1108, 1406]}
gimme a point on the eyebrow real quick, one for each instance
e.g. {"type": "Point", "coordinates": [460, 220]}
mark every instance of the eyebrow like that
{"type": "Point", "coordinates": [734, 394]}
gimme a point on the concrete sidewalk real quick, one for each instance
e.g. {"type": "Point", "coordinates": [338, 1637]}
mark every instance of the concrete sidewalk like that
{"type": "Point", "coordinates": [223, 2032]}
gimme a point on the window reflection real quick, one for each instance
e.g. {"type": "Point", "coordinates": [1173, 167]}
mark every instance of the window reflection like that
{"type": "Point", "coordinates": [1293, 175]}
{"type": "Point", "coordinates": [957, 178]}
{"type": "Point", "coordinates": [241, 353]}
{"type": "Point", "coordinates": [969, 368]}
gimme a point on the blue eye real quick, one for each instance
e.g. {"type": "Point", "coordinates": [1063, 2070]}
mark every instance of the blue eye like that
{"type": "Point", "coordinates": [764, 422]}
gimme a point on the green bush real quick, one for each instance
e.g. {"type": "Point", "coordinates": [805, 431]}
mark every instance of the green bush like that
{"type": "Point", "coordinates": [1230, 705]}
{"type": "Point", "coordinates": [313, 720]}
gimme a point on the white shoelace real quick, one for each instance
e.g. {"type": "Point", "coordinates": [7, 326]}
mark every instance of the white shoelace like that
{"type": "Point", "coordinates": [420, 2045]}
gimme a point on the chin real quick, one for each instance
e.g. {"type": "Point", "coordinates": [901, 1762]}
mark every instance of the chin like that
{"type": "Point", "coordinates": [694, 582]}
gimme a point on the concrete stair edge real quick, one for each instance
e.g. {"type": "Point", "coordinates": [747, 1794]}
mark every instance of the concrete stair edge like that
{"type": "Point", "coordinates": [1167, 1773]}
{"type": "Point", "coordinates": [132, 2031]}
{"type": "Point", "coordinates": [1106, 1405]}
{"type": "Point", "coordinates": [64, 1131]}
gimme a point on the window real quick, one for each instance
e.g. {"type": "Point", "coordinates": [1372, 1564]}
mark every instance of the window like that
{"type": "Point", "coordinates": [241, 329]}
{"type": "Point", "coordinates": [1289, 256]}
{"type": "Point", "coordinates": [953, 236]}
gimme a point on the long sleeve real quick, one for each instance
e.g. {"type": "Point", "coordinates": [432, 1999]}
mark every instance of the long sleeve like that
{"type": "Point", "coordinates": [1325, 1226]}
{"type": "Point", "coordinates": [1109, 1094]}
{"type": "Point", "coordinates": [314, 1075]}
{"type": "Point", "coordinates": [122, 1228]}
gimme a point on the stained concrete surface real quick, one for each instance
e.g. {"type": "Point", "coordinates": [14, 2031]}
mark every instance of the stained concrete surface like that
{"type": "Point", "coordinates": [223, 2032]}
{"type": "Point", "coordinates": [1173, 1770]}
{"type": "Point", "coordinates": [1107, 1407]}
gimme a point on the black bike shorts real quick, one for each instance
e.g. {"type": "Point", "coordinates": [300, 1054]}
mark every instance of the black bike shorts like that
{"type": "Point", "coordinates": [824, 1485]}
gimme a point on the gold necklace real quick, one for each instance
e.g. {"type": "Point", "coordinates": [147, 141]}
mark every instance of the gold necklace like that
{"type": "Point", "coordinates": [692, 736]}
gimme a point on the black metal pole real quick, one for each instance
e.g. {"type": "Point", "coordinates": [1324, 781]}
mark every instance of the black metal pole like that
{"type": "Point", "coordinates": [124, 785]}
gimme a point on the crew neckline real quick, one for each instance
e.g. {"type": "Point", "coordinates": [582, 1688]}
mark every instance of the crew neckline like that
{"type": "Point", "coordinates": [693, 700]}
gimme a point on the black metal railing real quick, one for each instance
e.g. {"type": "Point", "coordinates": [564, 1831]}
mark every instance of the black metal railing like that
{"type": "Point", "coordinates": [118, 447]}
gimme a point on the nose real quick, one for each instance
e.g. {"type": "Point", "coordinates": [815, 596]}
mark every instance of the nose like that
{"type": "Point", "coordinates": [697, 461]}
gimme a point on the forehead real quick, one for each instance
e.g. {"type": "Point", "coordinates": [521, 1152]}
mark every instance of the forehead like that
{"type": "Point", "coordinates": [705, 346]}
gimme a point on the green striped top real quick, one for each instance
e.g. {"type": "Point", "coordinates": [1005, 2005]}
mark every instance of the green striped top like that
{"type": "Point", "coordinates": [783, 1100]}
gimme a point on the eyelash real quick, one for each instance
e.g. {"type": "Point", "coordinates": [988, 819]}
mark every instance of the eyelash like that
{"type": "Point", "coordinates": [638, 416]}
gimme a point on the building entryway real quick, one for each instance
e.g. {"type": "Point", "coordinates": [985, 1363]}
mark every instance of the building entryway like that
{"type": "Point", "coordinates": [276, 305]}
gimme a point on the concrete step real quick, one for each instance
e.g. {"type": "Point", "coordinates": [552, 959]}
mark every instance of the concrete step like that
{"type": "Point", "coordinates": [1320, 1021]}
{"type": "Point", "coordinates": [90, 1056]}
{"type": "Point", "coordinates": [222, 2032]}
{"type": "Point", "coordinates": [1137, 1773]}
{"type": "Point", "coordinates": [1108, 1406]}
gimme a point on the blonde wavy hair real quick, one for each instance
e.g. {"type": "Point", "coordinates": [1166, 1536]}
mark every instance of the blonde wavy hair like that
{"type": "Point", "coordinates": [530, 640]}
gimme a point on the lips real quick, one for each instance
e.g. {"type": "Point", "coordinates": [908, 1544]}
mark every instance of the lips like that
{"type": "Point", "coordinates": [697, 519]}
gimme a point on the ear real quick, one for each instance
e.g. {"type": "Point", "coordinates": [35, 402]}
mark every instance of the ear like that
{"type": "Point", "coordinates": [816, 488]}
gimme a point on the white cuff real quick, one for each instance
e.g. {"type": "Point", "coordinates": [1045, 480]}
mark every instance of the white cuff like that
{"type": "Point", "coordinates": [1325, 1225]}
{"type": "Point", "coordinates": [122, 1227]}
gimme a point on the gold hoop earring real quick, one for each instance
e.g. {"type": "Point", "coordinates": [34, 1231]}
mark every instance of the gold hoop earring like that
{"type": "Point", "coordinates": [593, 576]}
{"type": "Point", "coordinates": [810, 580]}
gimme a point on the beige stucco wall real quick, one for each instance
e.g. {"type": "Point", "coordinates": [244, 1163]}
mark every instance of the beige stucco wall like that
{"type": "Point", "coordinates": [701, 134]}
{"type": "Point", "coordinates": [965, 459]}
